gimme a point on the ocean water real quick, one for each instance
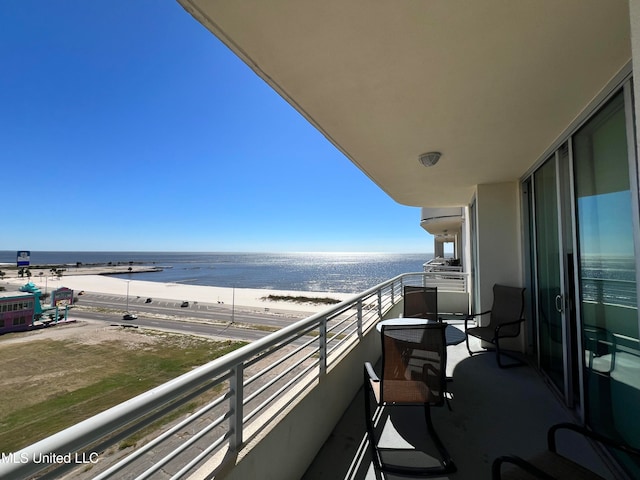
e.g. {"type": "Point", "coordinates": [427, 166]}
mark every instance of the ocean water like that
{"type": "Point", "coordinates": [609, 280]}
{"type": "Point", "coordinates": [324, 272]}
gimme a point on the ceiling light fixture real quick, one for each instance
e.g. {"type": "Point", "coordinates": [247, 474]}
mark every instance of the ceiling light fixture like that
{"type": "Point", "coordinates": [429, 159]}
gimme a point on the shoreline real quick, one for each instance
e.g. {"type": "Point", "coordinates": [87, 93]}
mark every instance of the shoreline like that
{"type": "Point", "coordinates": [239, 297]}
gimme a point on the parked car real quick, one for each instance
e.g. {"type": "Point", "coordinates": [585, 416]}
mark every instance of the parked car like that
{"type": "Point", "coordinates": [148, 300]}
{"type": "Point", "coordinates": [129, 316]}
{"type": "Point", "coordinates": [185, 304]}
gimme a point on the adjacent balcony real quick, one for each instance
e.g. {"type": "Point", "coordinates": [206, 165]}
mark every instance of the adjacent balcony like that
{"type": "Point", "coordinates": [289, 406]}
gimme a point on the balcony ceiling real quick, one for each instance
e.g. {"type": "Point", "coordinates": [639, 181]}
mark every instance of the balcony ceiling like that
{"type": "Point", "coordinates": [490, 84]}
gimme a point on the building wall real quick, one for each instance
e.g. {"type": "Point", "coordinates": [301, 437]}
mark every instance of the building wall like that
{"type": "Point", "coordinates": [499, 239]}
{"type": "Point", "coordinates": [15, 320]}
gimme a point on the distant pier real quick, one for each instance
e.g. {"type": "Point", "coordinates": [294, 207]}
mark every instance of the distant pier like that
{"type": "Point", "coordinates": [40, 271]}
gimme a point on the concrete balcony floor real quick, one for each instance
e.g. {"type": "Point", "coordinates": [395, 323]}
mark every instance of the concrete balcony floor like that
{"type": "Point", "coordinates": [493, 412]}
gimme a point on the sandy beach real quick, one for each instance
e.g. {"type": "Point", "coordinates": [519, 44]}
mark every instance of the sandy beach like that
{"type": "Point", "coordinates": [240, 297]}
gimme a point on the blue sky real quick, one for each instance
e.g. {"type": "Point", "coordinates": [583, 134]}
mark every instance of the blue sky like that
{"type": "Point", "coordinates": [125, 125]}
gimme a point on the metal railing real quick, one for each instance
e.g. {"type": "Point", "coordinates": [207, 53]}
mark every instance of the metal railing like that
{"type": "Point", "coordinates": [446, 277]}
{"type": "Point", "coordinates": [214, 404]}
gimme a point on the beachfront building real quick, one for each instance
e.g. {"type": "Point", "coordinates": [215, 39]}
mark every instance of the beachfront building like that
{"type": "Point", "coordinates": [512, 125]}
{"type": "Point", "coordinates": [16, 311]}
{"type": "Point", "coordinates": [61, 298]}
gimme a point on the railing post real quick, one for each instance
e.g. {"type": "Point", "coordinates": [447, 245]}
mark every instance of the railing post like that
{"type": "Point", "coordinates": [393, 293]}
{"type": "Point", "coordinates": [379, 303]}
{"type": "Point", "coordinates": [322, 338]}
{"type": "Point", "coordinates": [235, 401]}
{"type": "Point", "coordinates": [359, 313]}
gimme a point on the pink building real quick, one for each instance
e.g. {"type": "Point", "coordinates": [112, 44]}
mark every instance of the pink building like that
{"type": "Point", "coordinates": [16, 311]}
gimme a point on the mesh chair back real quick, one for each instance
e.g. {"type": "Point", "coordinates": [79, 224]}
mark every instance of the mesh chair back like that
{"type": "Point", "coordinates": [421, 302]}
{"type": "Point", "coordinates": [414, 360]}
{"type": "Point", "coordinates": [508, 305]}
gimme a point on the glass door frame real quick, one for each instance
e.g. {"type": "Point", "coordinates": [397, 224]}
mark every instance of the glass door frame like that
{"type": "Point", "coordinates": [562, 301]}
{"type": "Point", "coordinates": [473, 274]}
{"type": "Point", "coordinates": [634, 174]}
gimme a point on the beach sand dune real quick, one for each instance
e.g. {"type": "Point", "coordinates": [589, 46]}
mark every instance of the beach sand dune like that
{"type": "Point", "coordinates": [240, 297]}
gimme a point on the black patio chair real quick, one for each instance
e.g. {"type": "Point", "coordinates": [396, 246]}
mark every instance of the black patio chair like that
{"type": "Point", "coordinates": [550, 464]}
{"type": "Point", "coordinates": [505, 319]}
{"type": "Point", "coordinates": [421, 302]}
{"type": "Point", "coordinates": [414, 360]}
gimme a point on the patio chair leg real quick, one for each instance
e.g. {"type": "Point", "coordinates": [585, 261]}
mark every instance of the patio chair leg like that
{"type": "Point", "coordinates": [472, 352]}
{"type": "Point", "coordinates": [370, 428]}
{"type": "Point", "coordinates": [447, 463]}
{"type": "Point", "coordinates": [517, 362]}
{"type": "Point", "coordinates": [445, 458]}
{"type": "Point", "coordinates": [466, 339]}
{"type": "Point", "coordinates": [499, 353]}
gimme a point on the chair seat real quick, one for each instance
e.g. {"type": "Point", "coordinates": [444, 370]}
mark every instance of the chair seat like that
{"type": "Point", "coordinates": [488, 333]}
{"type": "Point", "coordinates": [484, 333]}
{"type": "Point", "coordinates": [555, 465]}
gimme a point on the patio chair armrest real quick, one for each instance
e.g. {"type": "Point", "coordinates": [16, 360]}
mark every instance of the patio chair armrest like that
{"type": "Point", "coordinates": [520, 463]}
{"type": "Point", "coordinates": [370, 372]}
{"type": "Point", "coordinates": [473, 315]}
{"type": "Point", "coordinates": [551, 438]}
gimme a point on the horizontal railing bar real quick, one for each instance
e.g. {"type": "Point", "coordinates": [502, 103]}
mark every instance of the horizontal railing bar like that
{"type": "Point", "coordinates": [336, 341]}
{"type": "Point", "coordinates": [277, 378]}
{"type": "Point", "coordinates": [201, 456]}
{"type": "Point", "coordinates": [277, 393]}
{"type": "Point", "coordinates": [88, 431]}
{"type": "Point", "coordinates": [267, 354]}
{"type": "Point", "coordinates": [281, 360]}
{"type": "Point", "coordinates": [158, 440]}
{"type": "Point", "coordinates": [177, 451]}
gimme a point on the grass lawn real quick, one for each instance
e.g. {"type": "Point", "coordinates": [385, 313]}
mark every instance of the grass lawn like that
{"type": "Point", "coordinates": [49, 384]}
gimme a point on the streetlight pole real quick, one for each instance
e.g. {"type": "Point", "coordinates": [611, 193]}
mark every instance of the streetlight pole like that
{"type": "Point", "coordinates": [233, 304]}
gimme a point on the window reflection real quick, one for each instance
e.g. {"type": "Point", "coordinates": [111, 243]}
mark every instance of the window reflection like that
{"type": "Point", "coordinates": [607, 276]}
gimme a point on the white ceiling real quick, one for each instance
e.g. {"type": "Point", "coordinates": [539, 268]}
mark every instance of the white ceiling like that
{"type": "Point", "coordinates": [488, 83]}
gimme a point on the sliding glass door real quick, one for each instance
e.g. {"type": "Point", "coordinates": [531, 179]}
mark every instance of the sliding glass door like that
{"type": "Point", "coordinates": [553, 240]}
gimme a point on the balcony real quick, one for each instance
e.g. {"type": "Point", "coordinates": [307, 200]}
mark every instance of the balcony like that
{"type": "Point", "coordinates": [494, 412]}
{"type": "Point", "coordinates": [267, 409]}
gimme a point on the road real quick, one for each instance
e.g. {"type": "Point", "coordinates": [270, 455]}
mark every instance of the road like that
{"type": "Point", "coordinates": [216, 320]}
